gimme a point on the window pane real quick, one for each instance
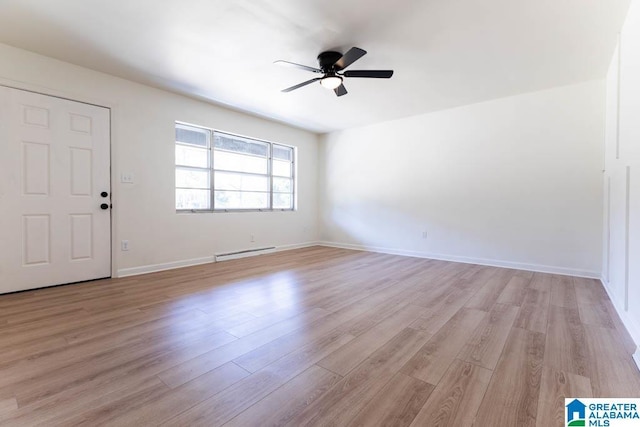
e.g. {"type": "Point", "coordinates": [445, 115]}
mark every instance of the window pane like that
{"type": "Point", "coordinates": [282, 201]}
{"type": "Point", "coordinates": [240, 182]}
{"type": "Point", "coordinates": [239, 162]}
{"type": "Point", "coordinates": [281, 168]}
{"type": "Point", "coordinates": [191, 178]}
{"type": "Point", "coordinates": [241, 200]}
{"type": "Point", "coordinates": [191, 156]}
{"type": "Point", "coordinates": [192, 199]}
{"type": "Point", "coordinates": [282, 153]}
{"type": "Point", "coordinates": [282, 185]}
{"type": "Point", "coordinates": [240, 145]}
{"type": "Point", "coordinates": [192, 135]}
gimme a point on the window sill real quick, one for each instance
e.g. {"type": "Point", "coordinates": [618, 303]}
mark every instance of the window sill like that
{"type": "Point", "coordinates": [199, 211]}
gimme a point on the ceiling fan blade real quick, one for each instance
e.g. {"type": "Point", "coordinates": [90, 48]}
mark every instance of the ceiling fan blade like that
{"type": "Point", "coordinates": [300, 66]}
{"type": "Point", "coordinates": [349, 58]}
{"type": "Point", "coordinates": [340, 90]}
{"type": "Point", "coordinates": [373, 74]}
{"type": "Point", "coordinates": [298, 86]}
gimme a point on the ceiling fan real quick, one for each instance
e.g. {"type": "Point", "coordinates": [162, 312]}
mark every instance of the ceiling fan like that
{"type": "Point", "coordinates": [332, 65]}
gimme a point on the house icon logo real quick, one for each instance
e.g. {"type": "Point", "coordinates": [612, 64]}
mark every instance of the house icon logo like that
{"type": "Point", "coordinates": [576, 413]}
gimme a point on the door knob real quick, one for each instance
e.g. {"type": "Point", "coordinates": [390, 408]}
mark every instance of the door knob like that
{"type": "Point", "coordinates": [104, 206]}
{"type": "Point", "coordinates": [104, 194]}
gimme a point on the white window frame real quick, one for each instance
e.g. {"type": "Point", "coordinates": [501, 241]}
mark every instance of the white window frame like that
{"type": "Point", "coordinates": [211, 169]}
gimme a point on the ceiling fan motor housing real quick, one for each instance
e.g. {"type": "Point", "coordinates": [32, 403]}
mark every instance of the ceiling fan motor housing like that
{"type": "Point", "coordinates": [327, 61]}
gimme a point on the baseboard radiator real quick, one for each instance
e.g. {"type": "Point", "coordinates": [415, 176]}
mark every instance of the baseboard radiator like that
{"type": "Point", "coordinates": [245, 253]}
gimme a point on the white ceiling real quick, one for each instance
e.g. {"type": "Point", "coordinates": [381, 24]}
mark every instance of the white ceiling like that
{"type": "Point", "coordinates": [444, 53]}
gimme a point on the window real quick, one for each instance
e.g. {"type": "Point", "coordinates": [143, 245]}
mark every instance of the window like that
{"type": "Point", "coordinates": [217, 171]}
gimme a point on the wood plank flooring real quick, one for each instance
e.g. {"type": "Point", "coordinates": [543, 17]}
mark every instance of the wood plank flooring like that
{"type": "Point", "coordinates": [315, 336]}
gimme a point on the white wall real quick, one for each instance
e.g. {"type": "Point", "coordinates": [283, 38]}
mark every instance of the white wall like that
{"type": "Point", "coordinates": [142, 126]}
{"type": "Point", "coordinates": [512, 182]}
{"type": "Point", "coordinates": [621, 272]}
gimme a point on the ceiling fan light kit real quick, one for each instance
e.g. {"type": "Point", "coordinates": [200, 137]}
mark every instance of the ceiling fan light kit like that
{"type": "Point", "coordinates": [332, 65]}
{"type": "Point", "coordinates": [331, 82]}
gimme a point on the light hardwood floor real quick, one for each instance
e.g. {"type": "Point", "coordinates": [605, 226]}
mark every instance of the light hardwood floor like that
{"type": "Point", "coordinates": [315, 336]}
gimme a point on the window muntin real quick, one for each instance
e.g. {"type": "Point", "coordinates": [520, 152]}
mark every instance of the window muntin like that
{"type": "Point", "coordinates": [218, 171]}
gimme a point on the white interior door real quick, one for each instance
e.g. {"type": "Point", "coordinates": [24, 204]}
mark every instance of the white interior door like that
{"type": "Point", "coordinates": [54, 168]}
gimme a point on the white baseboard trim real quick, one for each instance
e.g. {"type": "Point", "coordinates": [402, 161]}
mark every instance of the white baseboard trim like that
{"type": "Point", "coordinates": [153, 268]}
{"type": "Point", "coordinates": [469, 260]}
{"type": "Point", "coordinates": [295, 246]}
{"type": "Point", "coordinates": [632, 326]}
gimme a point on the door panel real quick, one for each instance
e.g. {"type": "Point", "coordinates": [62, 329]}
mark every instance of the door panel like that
{"type": "Point", "coordinates": [54, 163]}
{"type": "Point", "coordinates": [81, 171]}
{"type": "Point", "coordinates": [35, 167]}
{"type": "Point", "coordinates": [81, 236]}
{"type": "Point", "coordinates": [36, 231]}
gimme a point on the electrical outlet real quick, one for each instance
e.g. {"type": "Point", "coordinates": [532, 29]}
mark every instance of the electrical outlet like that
{"type": "Point", "coordinates": [124, 245]}
{"type": "Point", "coordinates": [424, 234]}
{"type": "Point", "coordinates": [252, 238]}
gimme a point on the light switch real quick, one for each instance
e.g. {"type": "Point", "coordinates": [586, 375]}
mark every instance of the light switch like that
{"type": "Point", "coordinates": [126, 177]}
